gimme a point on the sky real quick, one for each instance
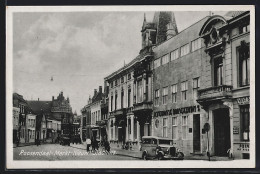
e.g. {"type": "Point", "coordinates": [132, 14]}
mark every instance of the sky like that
{"type": "Point", "coordinates": [77, 49]}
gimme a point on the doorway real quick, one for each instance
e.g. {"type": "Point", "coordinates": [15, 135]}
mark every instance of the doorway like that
{"type": "Point", "coordinates": [221, 131]}
{"type": "Point", "coordinates": [196, 133]}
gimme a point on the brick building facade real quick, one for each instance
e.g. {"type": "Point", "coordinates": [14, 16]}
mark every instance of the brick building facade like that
{"type": "Point", "coordinates": [177, 74]}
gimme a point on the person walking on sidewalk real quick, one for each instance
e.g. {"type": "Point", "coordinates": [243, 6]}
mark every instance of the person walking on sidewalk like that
{"type": "Point", "coordinates": [88, 141]}
{"type": "Point", "coordinates": [93, 148]}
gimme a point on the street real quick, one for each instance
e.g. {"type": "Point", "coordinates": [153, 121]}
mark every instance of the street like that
{"type": "Point", "coordinates": [52, 152]}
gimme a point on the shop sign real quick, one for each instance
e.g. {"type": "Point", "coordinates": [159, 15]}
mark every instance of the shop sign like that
{"type": "Point", "coordinates": [243, 147]}
{"type": "Point", "coordinates": [243, 100]}
{"type": "Point", "coordinates": [183, 110]}
{"type": "Point", "coordinates": [235, 130]}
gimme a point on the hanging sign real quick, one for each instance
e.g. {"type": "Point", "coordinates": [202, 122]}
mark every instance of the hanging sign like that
{"type": "Point", "coordinates": [244, 147]}
{"type": "Point", "coordinates": [243, 100]}
{"type": "Point", "coordinates": [235, 130]}
{"type": "Point", "coordinates": [183, 110]}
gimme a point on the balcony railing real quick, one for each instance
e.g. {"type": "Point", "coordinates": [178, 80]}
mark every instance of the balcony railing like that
{"type": "Point", "coordinates": [144, 106]}
{"type": "Point", "coordinates": [214, 93]}
{"type": "Point", "coordinates": [101, 122]}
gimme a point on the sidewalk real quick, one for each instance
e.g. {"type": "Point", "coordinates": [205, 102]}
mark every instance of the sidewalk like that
{"type": "Point", "coordinates": [31, 143]}
{"type": "Point", "coordinates": [135, 153]}
{"type": "Point", "coordinates": [23, 144]}
{"type": "Point", "coordinates": [117, 150]}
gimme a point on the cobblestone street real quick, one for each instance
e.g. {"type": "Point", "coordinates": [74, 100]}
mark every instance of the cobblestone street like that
{"type": "Point", "coordinates": [53, 152]}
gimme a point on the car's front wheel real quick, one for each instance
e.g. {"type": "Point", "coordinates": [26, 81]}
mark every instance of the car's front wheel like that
{"type": "Point", "coordinates": [160, 156]}
{"type": "Point", "coordinates": [180, 155]}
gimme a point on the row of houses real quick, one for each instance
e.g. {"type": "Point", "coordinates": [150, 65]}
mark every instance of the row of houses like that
{"type": "Point", "coordinates": [42, 120]}
{"type": "Point", "coordinates": [191, 86]}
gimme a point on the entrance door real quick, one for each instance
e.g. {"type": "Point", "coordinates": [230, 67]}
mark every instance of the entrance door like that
{"type": "Point", "coordinates": [221, 131]}
{"type": "Point", "coordinates": [196, 133]}
{"type": "Point", "coordinates": [119, 134]}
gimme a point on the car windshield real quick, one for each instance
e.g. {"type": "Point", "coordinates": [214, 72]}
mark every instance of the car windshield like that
{"type": "Point", "coordinates": [168, 142]}
{"type": "Point", "coordinates": [146, 141]}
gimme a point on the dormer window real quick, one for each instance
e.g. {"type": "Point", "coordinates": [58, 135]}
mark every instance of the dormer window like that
{"type": "Point", "coordinates": [244, 28]}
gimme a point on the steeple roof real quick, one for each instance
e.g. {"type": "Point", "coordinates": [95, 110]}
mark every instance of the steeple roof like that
{"type": "Point", "coordinates": [160, 20]}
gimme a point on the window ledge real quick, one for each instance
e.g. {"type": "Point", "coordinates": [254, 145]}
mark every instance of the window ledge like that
{"type": "Point", "coordinates": [240, 88]}
{"type": "Point", "coordinates": [239, 35]}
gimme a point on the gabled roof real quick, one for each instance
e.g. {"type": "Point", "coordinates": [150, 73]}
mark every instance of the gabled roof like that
{"type": "Point", "coordinates": [39, 107]}
{"type": "Point", "coordinates": [233, 14]}
{"type": "Point", "coordinates": [97, 97]}
{"type": "Point", "coordinates": [18, 97]}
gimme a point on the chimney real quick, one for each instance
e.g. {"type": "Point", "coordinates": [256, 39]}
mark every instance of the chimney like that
{"type": "Point", "coordinates": [61, 93]}
{"type": "Point", "coordinates": [52, 98]}
{"type": "Point", "coordinates": [95, 91]}
{"type": "Point", "coordinates": [38, 99]}
{"type": "Point", "coordinates": [100, 89]}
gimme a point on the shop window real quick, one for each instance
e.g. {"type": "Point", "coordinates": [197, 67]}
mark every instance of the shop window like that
{"type": "Point", "coordinates": [165, 95]}
{"type": "Point", "coordinates": [196, 44]}
{"type": "Point", "coordinates": [165, 121]}
{"type": "Point", "coordinates": [244, 64]}
{"type": "Point", "coordinates": [157, 96]}
{"type": "Point", "coordinates": [245, 156]}
{"type": "Point", "coordinates": [157, 63]}
{"type": "Point", "coordinates": [196, 85]}
{"type": "Point", "coordinates": [245, 122]}
{"type": "Point", "coordinates": [165, 59]}
{"type": "Point", "coordinates": [174, 93]}
{"type": "Point", "coordinates": [184, 89]}
{"type": "Point", "coordinates": [174, 128]}
{"type": "Point", "coordinates": [218, 71]}
{"type": "Point", "coordinates": [175, 54]}
{"type": "Point", "coordinates": [185, 50]}
{"type": "Point", "coordinates": [184, 127]}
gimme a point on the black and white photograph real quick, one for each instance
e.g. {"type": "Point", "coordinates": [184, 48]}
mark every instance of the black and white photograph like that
{"type": "Point", "coordinates": [130, 86]}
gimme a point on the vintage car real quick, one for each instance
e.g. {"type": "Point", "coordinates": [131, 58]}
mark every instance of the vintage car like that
{"type": "Point", "coordinates": [65, 139]}
{"type": "Point", "coordinates": [159, 148]}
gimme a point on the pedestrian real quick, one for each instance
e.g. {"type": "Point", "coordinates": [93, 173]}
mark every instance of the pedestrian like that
{"type": "Point", "coordinates": [96, 145]}
{"type": "Point", "coordinates": [106, 146]}
{"type": "Point", "coordinates": [17, 142]}
{"type": "Point", "coordinates": [93, 144]}
{"type": "Point", "coordinates": [88, 141]}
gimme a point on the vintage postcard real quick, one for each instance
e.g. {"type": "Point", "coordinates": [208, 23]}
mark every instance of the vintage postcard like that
{"type": "Point", "coordinates": [130, 87]}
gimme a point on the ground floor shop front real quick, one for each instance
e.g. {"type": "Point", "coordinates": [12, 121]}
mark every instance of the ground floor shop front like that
{"type": "Point", "coordinates": [229, 126]}
{"type": "Point", "coordinates": [185, 126]}
{"type": "Point", "coordinates": [127, 130]}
